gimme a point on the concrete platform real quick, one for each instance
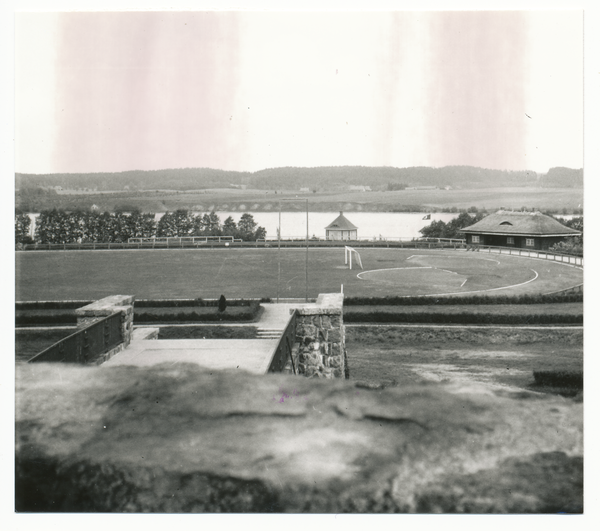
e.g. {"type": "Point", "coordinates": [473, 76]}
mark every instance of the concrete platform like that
{"type": "Point", "coordinates": [252, 355]}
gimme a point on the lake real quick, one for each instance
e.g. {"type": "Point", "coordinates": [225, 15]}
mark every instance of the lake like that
{"type": "Point", "coordinates": [371, 225]}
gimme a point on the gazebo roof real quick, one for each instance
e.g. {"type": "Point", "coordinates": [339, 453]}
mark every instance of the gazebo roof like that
{"type": "Point", "coordinates": [521, 223]}
{"type": "Point", "coordinates": [341, 223]}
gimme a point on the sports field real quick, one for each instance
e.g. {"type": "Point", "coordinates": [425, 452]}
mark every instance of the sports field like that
{"type": "Point", "coordinates": [253, 273]}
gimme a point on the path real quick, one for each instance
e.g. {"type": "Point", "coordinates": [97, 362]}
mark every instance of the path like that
{"type": "Point", "coordinates": [252, 355]}
{"type": "Point", "coordinates": [274, 319]}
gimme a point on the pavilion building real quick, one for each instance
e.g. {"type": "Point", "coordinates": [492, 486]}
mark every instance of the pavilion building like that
{"type": "Point", "coordinates": [341, 229]}
{"type": "Point", "coordinates": [522, 230]}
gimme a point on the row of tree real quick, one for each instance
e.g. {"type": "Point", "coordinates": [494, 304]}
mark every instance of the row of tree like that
{"type": "Point", "coordinates": [58, 226]}
{"type": "Point", "coordinates": [452, 229]}
{"type": "Point", "coordinates": [574, 244]}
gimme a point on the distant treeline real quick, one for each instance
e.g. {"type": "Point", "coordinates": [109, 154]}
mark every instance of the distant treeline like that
{"type": "Point", "coordinates": [58, 226]}
{"type": "Point", "coordinates": [315, 179]}
{"type": "Point", "coordinates": [452, 229]}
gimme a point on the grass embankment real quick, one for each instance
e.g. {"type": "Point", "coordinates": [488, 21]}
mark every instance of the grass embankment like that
{"type": "Point", "coordinates": [504, 359]}
{"type": "Point", "coordinates": [28, 343]}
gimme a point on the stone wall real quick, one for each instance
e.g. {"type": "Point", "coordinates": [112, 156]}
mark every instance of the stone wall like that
{"type": "Point", "coordinates": [320, 335]}
{"type": "Point", "coordinates": [123, 304]}
{"type": "Point", "coordinates": [176, 438]}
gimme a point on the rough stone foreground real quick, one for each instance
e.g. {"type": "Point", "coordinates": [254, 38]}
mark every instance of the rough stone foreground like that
{"type": "Point", "coordinates": [177, 438]}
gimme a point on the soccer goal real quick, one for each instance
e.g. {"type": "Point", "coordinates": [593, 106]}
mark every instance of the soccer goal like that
{"type": "Point", "coordinates": [349, 252]}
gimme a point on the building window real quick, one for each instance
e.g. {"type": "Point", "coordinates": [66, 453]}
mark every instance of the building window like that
{"type": "Point", "coordinates": [475, 239]}
{"type": "Point", "coordinates": [510, 241]}
{"type": "Point", "coordinates": [529, 242]}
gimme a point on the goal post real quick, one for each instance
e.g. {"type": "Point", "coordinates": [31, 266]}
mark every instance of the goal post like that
{"type": "Point", "coordinates": [349, 254]}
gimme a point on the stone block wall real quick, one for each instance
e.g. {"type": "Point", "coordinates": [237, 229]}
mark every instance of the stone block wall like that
{"type": "Point", "coordinates": [320, 335]}
{"type": "Point", "coordinates": [99, 309]}
{"type": "Point", "coordinates": [86, 315]}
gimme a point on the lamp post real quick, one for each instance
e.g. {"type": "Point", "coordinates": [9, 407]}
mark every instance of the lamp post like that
{"type": "Point", "coordinates": [279, 252]}
{"type": "Point", "coordinates": [306, 267]}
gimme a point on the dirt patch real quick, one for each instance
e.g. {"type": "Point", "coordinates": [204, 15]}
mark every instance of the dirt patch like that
{"type": "Point", "coordinates": [395, 359]}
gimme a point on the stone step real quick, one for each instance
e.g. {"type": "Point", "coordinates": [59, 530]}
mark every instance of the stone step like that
{"type": "Point", "coordinates": [271, 334]}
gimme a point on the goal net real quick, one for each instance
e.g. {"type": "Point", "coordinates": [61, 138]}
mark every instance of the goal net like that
{"type": "Point", "coordinates": [351, 254]}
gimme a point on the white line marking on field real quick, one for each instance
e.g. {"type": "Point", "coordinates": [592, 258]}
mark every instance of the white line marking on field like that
{"type": "Point", "coordinates": [486, 290]}
{"type": "Point", "coordinates": [446, 271]}
{"type": "Point", "coordinates": [219, 271]}
{"type": "Point", "coordinates": [391, 269]}
{"type": "Point", "coordinates": [490, 260]}
{"type": "Point", "coordinates": [456, 292]}
{"type": "Point", "coordinates": [464, 282]}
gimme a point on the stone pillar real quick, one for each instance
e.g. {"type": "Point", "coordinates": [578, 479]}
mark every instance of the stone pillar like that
{"type": "Point", "coordinates": [95, 311]}
{"type": "Point", "coordinates": [320, 334]}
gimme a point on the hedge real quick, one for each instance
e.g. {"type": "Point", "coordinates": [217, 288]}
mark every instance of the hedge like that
{"type": "Point", "coordinates": [248, 311]}
{"type": "Point", "coordinates": [188, 303]}
{"type": "Point", "coordinates": [50, 305]}
{"type": "Point", "coordinates": [463, 318]}
{"type": "Point", "coordinates": [464, 299]}
{"type": "Point", "coordinates": [57, 317]}
{"type": "Point", "coordinates": [141, 303]}
{"type": "Point", "coordinates": [192, 317]}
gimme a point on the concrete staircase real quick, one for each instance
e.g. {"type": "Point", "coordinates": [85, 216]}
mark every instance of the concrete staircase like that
{"type": "Point", "coordinates": [269, 333]}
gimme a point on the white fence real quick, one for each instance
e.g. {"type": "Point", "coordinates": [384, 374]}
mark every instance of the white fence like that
{"type": "Point", "coordinates": [185, 239]}
{"type": "Point", "coordinates": [542, 255]}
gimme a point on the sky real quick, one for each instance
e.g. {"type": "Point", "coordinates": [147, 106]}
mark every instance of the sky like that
{"type": "Point", "coordinates": [239, 90]}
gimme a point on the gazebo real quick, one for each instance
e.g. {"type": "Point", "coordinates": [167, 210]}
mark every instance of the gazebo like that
{"type": "Point", "coordinates": [341, 229]}
{"type": "Point", "coordinates": [525, 230]}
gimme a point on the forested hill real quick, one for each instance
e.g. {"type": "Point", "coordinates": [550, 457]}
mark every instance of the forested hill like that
{"type": "Point", "coordinates": [320, 178]}
{"type": "Point", "coordinates": [174, 179]}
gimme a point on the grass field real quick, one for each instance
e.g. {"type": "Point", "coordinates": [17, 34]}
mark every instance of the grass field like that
{"type": "Point", "coordinates": [253, 273]}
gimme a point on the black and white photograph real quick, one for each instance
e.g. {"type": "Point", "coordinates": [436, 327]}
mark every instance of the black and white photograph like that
{"type": "Point", "coordinates": [299, 261]}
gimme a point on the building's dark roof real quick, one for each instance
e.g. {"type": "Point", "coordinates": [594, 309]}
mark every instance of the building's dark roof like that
{"type": "Point", "coordinates": [521, 223]}
{"type": "Point", "coordinates": [341, 223]}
